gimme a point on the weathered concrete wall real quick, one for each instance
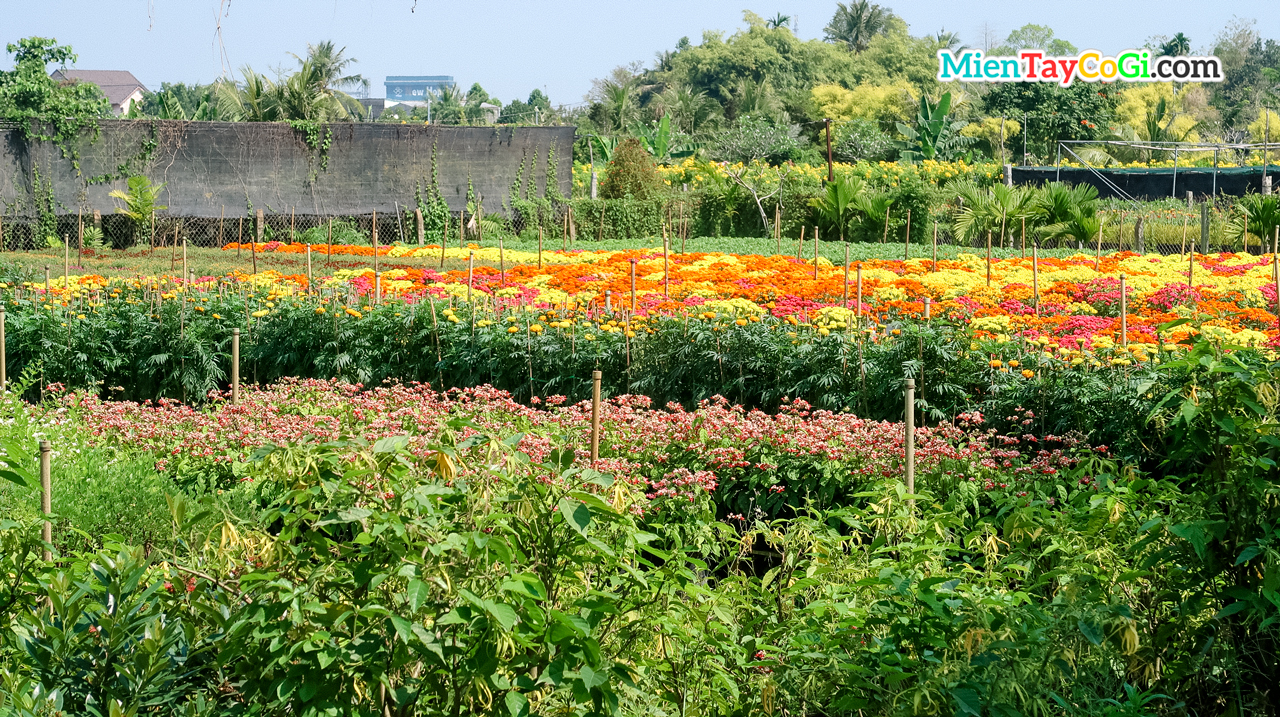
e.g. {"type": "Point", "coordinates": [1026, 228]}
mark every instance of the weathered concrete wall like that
{"type": "Point", "coordinates": [207, 166]}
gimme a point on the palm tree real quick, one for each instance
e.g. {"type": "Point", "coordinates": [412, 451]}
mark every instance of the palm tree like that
{"type": "Point", "coordinates": [835, 207]}
{"type": "Point", "coordinates": [856, 23]}
{"type": "Point", "coordinates": [946, 40]}
{"type": "Point", "coordinates": [139, 202]}
{"type": "Point", "coordinates": [620, 102]}
{"type": "Point", "coordinates": [329, 63]}
{"type": "Point", "coordinates": [777, 21]}
{"type": "Point", "coordinates": [1258, 216]}
{"type": "Point", "coordinates": [1176, 45]}
{"type": "Point", "coordinates": [991, 211]}
{"type": "Point", "coordinates": [689, 109]}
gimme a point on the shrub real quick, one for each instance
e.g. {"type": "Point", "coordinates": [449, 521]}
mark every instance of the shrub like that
{"type": "Point", "coordinates": [631, 174]}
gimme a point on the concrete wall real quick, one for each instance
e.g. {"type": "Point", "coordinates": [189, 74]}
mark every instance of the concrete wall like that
{"type": "Point", "coordinates": [210, 165]}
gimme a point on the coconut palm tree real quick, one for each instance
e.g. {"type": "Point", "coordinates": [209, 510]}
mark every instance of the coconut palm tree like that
{"type": "Point", "coordinates": [856, 23]}
{"type": "Point", "coordinates": [690, 110]}
{"type": "Point", "coordinates": [1176, 45]}
{"type": "Point", "coordinates": [328, 64]}
{"type": "Point", "coordinates": [777, 21]}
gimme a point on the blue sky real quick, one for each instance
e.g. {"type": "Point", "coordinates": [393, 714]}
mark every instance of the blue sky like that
{"type": "Point", "coordinates": [511, 46]}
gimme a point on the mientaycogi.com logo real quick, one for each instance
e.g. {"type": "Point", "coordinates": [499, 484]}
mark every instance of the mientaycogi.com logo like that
{"type": "Point", "coordinates": [1089, 66]}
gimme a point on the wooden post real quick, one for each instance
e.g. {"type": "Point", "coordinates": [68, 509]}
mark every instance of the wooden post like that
{"type": "Point", "coordinates": [928, 306]}
{"type": "Point", "coordinates": [885, 238]}
{"type": "Point", "coordinates": [261, 227]}
{"type": "Point", "coordinates": [859, 295]}
{"type": "Point", "coordinates": [79, 237]}
{"type": "Point", "coordinates": [184, 259]}
{"type": "Point", "coordinates": [1275, 277]}
{"type": "Point", "coordinates": [173, 247]}
{"type": "Point", "coordinates": [375, 241]}
{"type": "Point", "coordinates": [595, 416]}
{"type": "Point", "coordinates": [308, 268]}
{"type": "Point", "coordinates": [1035, 277]}
{"type": "Point", "coordinates": [235, 365]}
{"type": "Point", "coordinates": [1024, 237]}
{"type": "Point", "coordinates": [502, 263]}
{"type": "Point", "coordinates": [46, 499]}
{"type": "Point", "coordinates": [293, 226]}
{"type": "Point", "coordinates": [422, 230]}
{"type": "Point", "coordinates": [815, 253]}
{"type": "Point", "coordinates": [239, 237]}
{"type": "Point", "coordinates": [4, 368]}
{"type": "Point", "coordinates": [633, 286]}
{"type": "Point", "coordinates": [539, 246]}
{"type": "Point", "coordinates": [471, 266]}
{"type": "Point", "coordinates": [462, 229]}
{"type": "Point", "coordinates": [909, 426]}
{"type": "Point", "coordinates": [222, 219]}
{"type": "Point", "coordinates": [846, 275]}
{"type": "Point", "coordinates": [988, 259]}
{"type": "Point", "coordinates": [906, 241]}
{"type": "Point", "coordinates": [1097, 257]}
{"type": "Point", "coordinates": [799, 245]}
{"type": "Point", "coordinates": [1124, 315]}
{"type": "Point", "coordinates": [153, 231]}
{"type": "Point", "coordinates": [377, 288]}
{"type": "Point", "coordinates": [777, 225]}
{"type": "Point", "coordinates": [935, 246]}
{"type": "Point", "coordinates": [253, 250]}
{"type": "Point", "coordinates": [1186, 219]}
{"type": "Point", "coordinates": [66, 262]}
{"type": "Point", "coordinates": [666, 264]}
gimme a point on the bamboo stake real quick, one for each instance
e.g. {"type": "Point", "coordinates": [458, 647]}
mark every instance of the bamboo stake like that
{"type": "Point", "coordinates": [471, 266]}
{"type": "Point", "coordinates": [173, 247]}
{"type": "Point", "coordinates": [666, 264]}
{"type": "Point", "coordinates": [935, 246]}
{"type": "Point", "coordinates": [184, 260]}
{"type": "Point", "coordinates": [595, 416]}
{"type": "Point", "coordinates": [502, 263]}
{"type": "Point", "coordinates": [1191, 269]}
{"type": "Point", "coordinates": [885, 238]}
{"type": "Point", "coordinates": [909, 426]}
{"type": "Point", "coordinates": [859, 296]}
{"type": "Point", "coordinates": [444, 240]}
{"type": "Point", "coordinates": [633, 286]}
{"type": "Point", "coordinates": [846, 275]}
{"type": "Point", "coordinates": [988, 258]}
{"type": "Point", "coordinates": [235, 365]}
{"type": "Point", "coordinates": [462, 229]}
{"type": "Point", "coordinates": [799, 245]}
{"type": "Point", "coordinates": [1035, 277]}
{"type": "Point", "coordinates": [906, 240]}
{"type": "Point", "coordinates": [4, 368]}
{"type": "Point", "coordinates": [539, 247]}
{"type": "Point", "coordinates": [815, 253]}
{"type": "Point", "coordinates": [777, 225]}
{"type": "Point", "coordinates": [153, 231]}
{"type": "Point", "coordinates": [66, 263]}
{"type": "Point", "coordinates": [1124, 315]}
{"type": "Point", "coordinates": [375, 241]}
{"type": "Point", "coordinates": [329, 243]}
{"type": "Point", "coordinates": [1024, 237]}
{"type": "Point", "coordinates": [79, 237]}
{"type": "Point", "coordinates": [253, 253]}
{"type": "Point", "coordinates": [46, 499]}
{"type": "Point", "coordinates": [309, 281]}
{"type": "Point", "coordinates": [1097, 258]}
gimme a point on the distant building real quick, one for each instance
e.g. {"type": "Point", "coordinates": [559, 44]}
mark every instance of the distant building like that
{"type": "Point", "coordinates": [120, 86]}
{"type": "Point", "coordinates": [413, 89]}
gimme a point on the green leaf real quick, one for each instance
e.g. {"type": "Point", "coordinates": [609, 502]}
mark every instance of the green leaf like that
{"type": "Point", "coordinates": [1248, 554]}
{"type": "Point", "coordinates": [576, 514]}
{"type": "Point", "coordinates": [517, 704]}
{"type": "Point", "coordinates": [1231, 609]}
{"type": "Point", "coordinates": [417, 593]}
{"type": "Point", "coordinates": [526, 584]}
{"type": "Point", "coordinates": [968, 701]}
{"type": "Point", "coordinates": [1091, 631]}
{"type": "Point", "coordinates": [503, 613]}
{"type": "Point", "coordinates": [391, 444]}
{"type": "Point", "coordinates": [403, 628]}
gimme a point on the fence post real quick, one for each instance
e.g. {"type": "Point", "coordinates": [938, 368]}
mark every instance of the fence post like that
{"type": "Point", "coordinates": [1139, 236]}
{"type": "Point", "coordinates": [1204, 228]}
{"type": "Point", "coordinates": [260, 224]}
{"type": "Point", "coordinates": [235, 365]}
{"type": "Point", "coordinates": [909, 416]}
{"type": "Point", "coordinates": [377, 288]}
{"type": "Point", "coordinates": [1266, 185]}
{"type": "Point", "coordinates": [308, 268]}
{"type": "Point", "coordinates": [1008, 175]}
{"type": "Point", "coordinates": [595, 416]}
{"type": "Point", "coordinates": [46, 499]}
{"type": "Point", "coordinates": [422, 232]}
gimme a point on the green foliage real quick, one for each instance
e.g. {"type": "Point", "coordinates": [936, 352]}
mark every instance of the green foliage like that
{"type": "Point", "coordinates": [631, 174]}
{"type": "Point", "coordinates": [1081, 111]}
{"type": "Point", "coordinates": [1258, 215]}
{"type": "Point", "coordinates": [140, 202]}
{"type": "Point", "coordinates": [319, 138]}
{"type": "Point", "coordinates": [622, 218]}
{"type": "Point", "coordinates": [752, 139]}
{"type": "Point", "coordinates": [936, 135]}
{"type": "Point", "coordinates": [43, 108]}
{"type": "Point", "coordinates": [861, 140]}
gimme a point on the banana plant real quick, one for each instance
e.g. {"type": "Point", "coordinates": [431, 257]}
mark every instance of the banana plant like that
{"type": "Point", "coordinates": [933, 133]}
{"type": "Point", "coordinates": [659, 140]}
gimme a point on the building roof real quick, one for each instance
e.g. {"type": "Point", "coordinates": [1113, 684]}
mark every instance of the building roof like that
{"type": "Point", "coordinates": [117, 85]}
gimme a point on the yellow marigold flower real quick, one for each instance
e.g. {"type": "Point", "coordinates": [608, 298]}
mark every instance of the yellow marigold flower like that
{"type": "Point", "coordinates": [260, 313]}
{"type": "Point", "coordinates": [996, 363]}
{"type": "Point", "coordinates": [512, 329]}
{"type": "Point", "coordinates": [1013, 364]}
{"type": "Point", "coordinates": [319, 309]}
{"type": "Point", "coordinates": [217, 316]}
{"type": "Point", "coordinates": [741, 322]}
{"type": "Point", "coordinates": [353, 312]}
{"type": "Point", "coordinates": [536, 328]}
{"type": "Point", "coordinates": [1027, 373]}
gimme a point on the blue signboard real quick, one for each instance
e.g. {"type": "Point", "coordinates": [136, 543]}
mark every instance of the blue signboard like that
{"type": "Point", "coordinates": [410, 88]}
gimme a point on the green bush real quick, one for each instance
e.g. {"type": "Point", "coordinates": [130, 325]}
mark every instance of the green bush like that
{"type": "Point", "coordinates": [631, 174]}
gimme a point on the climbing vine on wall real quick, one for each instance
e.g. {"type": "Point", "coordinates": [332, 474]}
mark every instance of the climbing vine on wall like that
{"type": "Point", "coordinates": [319, 138]}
